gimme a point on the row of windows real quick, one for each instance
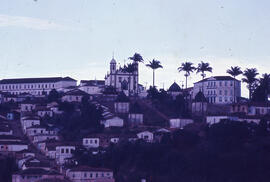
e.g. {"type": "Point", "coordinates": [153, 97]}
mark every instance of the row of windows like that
{"type": "Point", "coordinates": [28, 86]}
{"type": "Point", "coordinates": [221, 83]}
{"type": "Point", "coordinates": [91, 141]}
{"type": "Point", "coordinates": [92, 175]}
{"type": "Point", "coordinates": [220, 99]}
{"type": "Point", "coordinates": [67, 151]}
{"type": "Point", "coordinates": [213, 92]}
{"type": "Point", "coordinates": [31, 92]}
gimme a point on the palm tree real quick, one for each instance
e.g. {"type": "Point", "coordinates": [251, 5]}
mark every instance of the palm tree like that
{"type": "Point", "coordinates": [250, 78]}
{"type": "Point", "coordinates": [137, 58]}
{"type": "Point", "coordinates": [154, 64]}
{"type": "Point", "coordinates": [129, 68]}
{"type": "Point", "coordinates": [202, 68]}
{"type": "Point", "coordinates": [234, 71]}
{"type": "Point", "coordinates": [265, 85]}
{"type": "Point", "coordinates": [187, 68]}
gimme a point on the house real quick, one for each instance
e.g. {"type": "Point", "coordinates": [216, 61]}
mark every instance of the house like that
{"type": "Point", "coordinates": [91, 141]}
{"type": "Point", "coordinates": [33, 163]}
{"type": "Point", "coordinates": [174, 90]}
{"type": "Point", "coordinates": [12, 146]}
{"type": "Point", "coordinates": [216, 119]}
{"type": "Point", "coordinates": [113, 121]}
{"type": "Point", "coordinates": [63, 152]}
{"type": "Point", "coordinates": [35, 174]}
{"type": "Point", "coordinates": [100, 140]}
{"type": "Point", "coordinates": [29, 121]}
{"type": "Point", "coordinates": [199, 104]}
{"type": "Point", "coordinates": [42, 137]}
{"type": "Point", "coordinates": [28, 106]}
{"type": "Point", "coordinates": [92, 87]}
{"type": "Point", "coordinates": [5, 129]}
{"type": "Point", "coordinates": [44, 112]}
{"type": "Point", "coordinates": [121, 104]}
{"type": "Point", "coordinates": [146, 136]}
{"type": "Point", "coordinates": [180, 122]}
{"type": "Point", "coordinates": [36, 130]}
{"type": "Point", "coordinates": [249, 119]}
{"type": "Point", "coordinates": [9, 138]}
{"type": "Point", "coordinates": [35, 86]}
{"type": "Point", "coordinates": [218, 89]}
{"type": "Point", "coordinates": [86, 173]}
{"type": "Point", "coordinates": [135, 117]}
{"type": "Point", "coordinates": [74, 96]}
{"type": "Point", "coordinates": [25, 153]}
{"type": "Point", "coordinates": [251, 108]}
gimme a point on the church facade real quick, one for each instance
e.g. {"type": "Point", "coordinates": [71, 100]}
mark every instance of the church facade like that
{"type": "Point", "coordinates": [121, 79]}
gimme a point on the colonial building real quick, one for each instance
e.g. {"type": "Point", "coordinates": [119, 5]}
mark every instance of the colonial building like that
{"type": "Point", "coordinates": [218, 89]}
{"type": "Point", "coordinates": [86, 173]}
{"type": "Point", "coordinates": [35, 86]}
{"type": "Point", "coordinates": [122, 80]}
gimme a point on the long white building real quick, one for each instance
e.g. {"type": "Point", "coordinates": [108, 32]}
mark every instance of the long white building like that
{"type": "Point", "coordinates": [218, 89]}
{"type": "Point", "coordinates": [35, 86]}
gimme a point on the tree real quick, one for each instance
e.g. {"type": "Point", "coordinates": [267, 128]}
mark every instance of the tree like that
{"type": "Point", "coordinates": [154, 64]}
{"type": "Point", "coordinates": [234, 71]}
{"type": "Point", "coordinates": [202, 68]}
{"type": "Point", "coordinates": [53, 95]}
{"type": "Point", "coordinates": [261, 92]}
{"type": "Point", "coordinates": [137, 58]}
{"type": "Point", "coordinates": [250, 78]}
{"type": "Point", "coordinates": [187, 68]}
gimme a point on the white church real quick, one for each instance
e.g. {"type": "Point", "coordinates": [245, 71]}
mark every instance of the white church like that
{"type": "Point", "coordinates": [121, 79]}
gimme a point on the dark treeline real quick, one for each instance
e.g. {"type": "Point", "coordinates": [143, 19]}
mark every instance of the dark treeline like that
{"type": "Point", "coordinates": [7, 168]}
{"type": "Point", "coordinates": [224, 152]}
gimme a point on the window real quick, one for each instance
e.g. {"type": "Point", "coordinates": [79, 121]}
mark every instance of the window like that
{"type": "Point", "coordinates": [86, 141]}
{"type": "Point", "coordinates": [85, 175]}
{"type": "Point", "coordinates": [220, 92]}
{"type": "Point", "coordinates": [226, 92]}
{"type": "Point", "coordinates": [67, 151]}
{"type": "Point", "coordinates": [95, 141]}
{"type": "Point", "coordinates": [62, 151]}
{"type": "Point", "coordinates": [225, 83]}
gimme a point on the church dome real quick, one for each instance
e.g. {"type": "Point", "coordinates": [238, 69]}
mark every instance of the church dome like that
{"type": "Point", "coordinates": [174, 88]}
{"type": "Point", "coordinates": [113, 61]}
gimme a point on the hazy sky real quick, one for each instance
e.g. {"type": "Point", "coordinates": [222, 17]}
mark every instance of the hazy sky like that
{"type": "Point", "coordinates": [77, 37]}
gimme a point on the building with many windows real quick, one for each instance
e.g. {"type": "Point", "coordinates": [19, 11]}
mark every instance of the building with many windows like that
{"type": "Point", "coordinates": [35, 86]}
{"type": "Point", "coordinates": [218, 89]}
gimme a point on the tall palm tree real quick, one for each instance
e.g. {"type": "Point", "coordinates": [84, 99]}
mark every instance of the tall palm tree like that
{"type": "Point", "coordinates": [129, 68]}
{"type": "Point", "coordinates": [187, 67]}
{"type": "Point", "coordinates": [234, 71]}
{"type": "Point", "coordinates": [265, 85]}
{"type": "Point", "coordinates": [202, 68]}
{"type": "Point", "coordinates": [137, 58]}
{"type": "Point", "coordinates": [250, 78]}
{"type": "Point", "coordinates": [154, 64]}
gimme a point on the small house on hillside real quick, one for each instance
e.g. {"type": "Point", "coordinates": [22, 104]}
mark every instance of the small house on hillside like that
{"type": "Point", "coordinates": [121, 104]}
{"type": "Point", "coordinates": [135, 115]}
{"type": "Point", "coordinates": [199, 104]}
{"type": "Point", "coordinates": [75, 95]}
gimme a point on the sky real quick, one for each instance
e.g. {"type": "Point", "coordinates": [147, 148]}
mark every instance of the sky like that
{"type": "Point", "coordinates": [77, 38]}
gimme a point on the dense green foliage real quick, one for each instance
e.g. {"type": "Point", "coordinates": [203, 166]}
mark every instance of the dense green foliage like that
{"type": "Point", "coordinates": [165, 103]}
{"type": "Point", "coordinates": [227, 152]}
{"type": "Point", "coordinates": [77, 119]}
